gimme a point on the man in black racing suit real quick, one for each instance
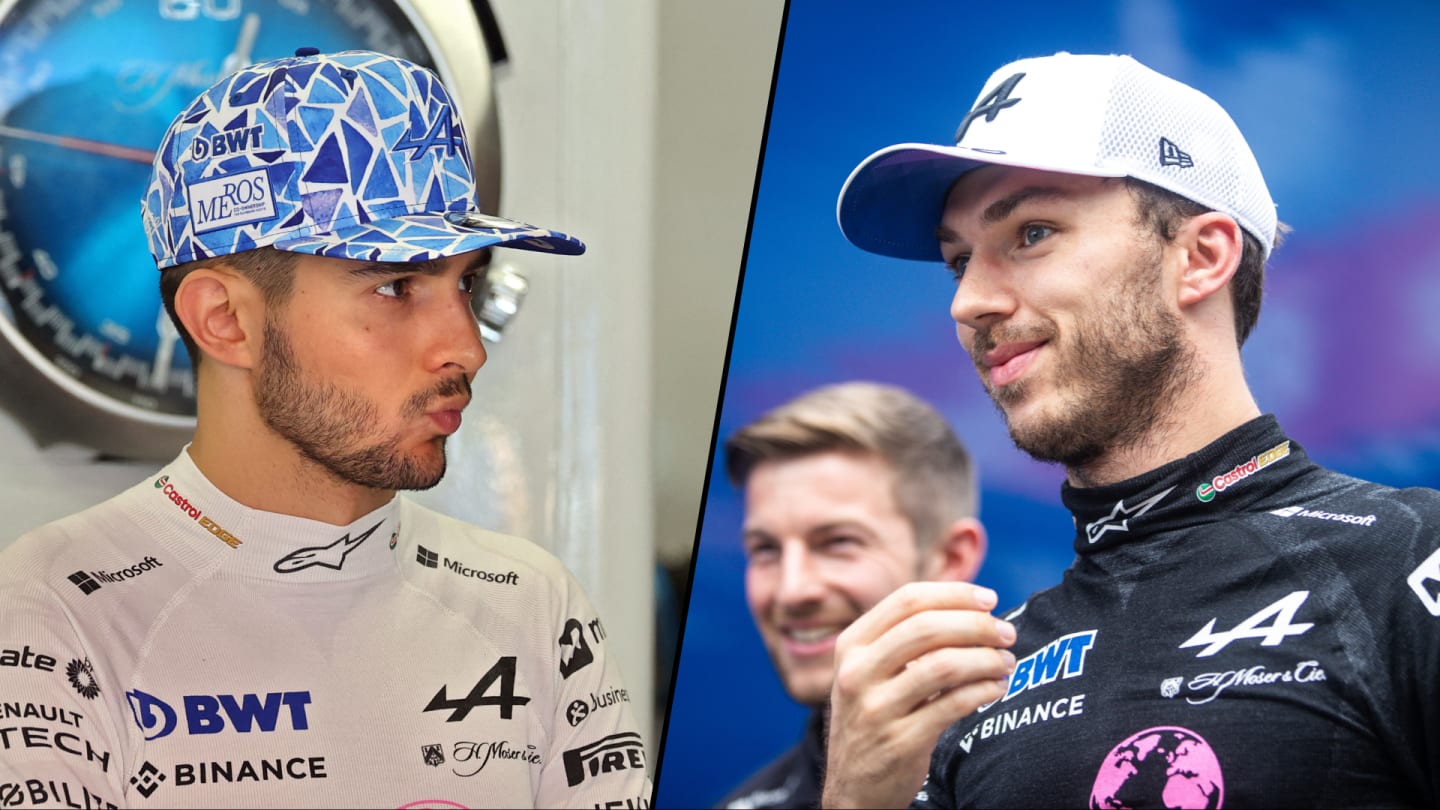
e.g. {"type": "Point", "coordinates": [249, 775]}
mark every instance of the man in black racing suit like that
{"type": "Point", "coordinates": [1259, 648]}
{"type": "Point", "coordinates": [1241, 627]}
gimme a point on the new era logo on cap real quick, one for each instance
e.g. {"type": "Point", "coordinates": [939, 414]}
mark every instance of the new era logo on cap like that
{"type": "Point", "coordinates": [1172, 155]}
{"type": "Point", "coordinates": [354, 155]}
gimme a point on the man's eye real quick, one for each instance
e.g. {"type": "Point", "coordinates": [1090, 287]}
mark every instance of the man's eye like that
{"type": "Point", "coordinates": [1033, 233]}
{"type": "Point", "coordinates": [762, 551]}
{"type": "Point", "coordinates": [957, 267]}
{"type": "Point", "coordinates": [394, 289]}
{"type": "Point", "coordinates": [470, 283]}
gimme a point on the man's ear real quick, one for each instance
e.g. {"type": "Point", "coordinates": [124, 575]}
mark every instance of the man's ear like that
{"type": "Point", "coordinates": [223, 313]}
{"type": "Point", "coordinates": [957, 553]}
{"type": "Point", "coordinates": [1210, 247]}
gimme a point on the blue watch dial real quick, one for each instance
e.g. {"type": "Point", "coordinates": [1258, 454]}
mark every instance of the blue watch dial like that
{"type": "Point", "coordinates": [87, 89]}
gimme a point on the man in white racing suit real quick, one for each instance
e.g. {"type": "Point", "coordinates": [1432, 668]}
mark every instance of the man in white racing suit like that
{"type": "Point", "coordinates": [264, 622]}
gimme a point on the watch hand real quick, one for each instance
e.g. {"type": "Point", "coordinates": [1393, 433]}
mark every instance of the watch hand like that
{"type": "Point", "coordinates": [240, 57]}
{"type": "Point", "coordinates": [145, 156]}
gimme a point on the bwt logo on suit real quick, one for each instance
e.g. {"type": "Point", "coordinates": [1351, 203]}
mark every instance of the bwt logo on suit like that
{"type": "Point", "coordinates": [208, 714]}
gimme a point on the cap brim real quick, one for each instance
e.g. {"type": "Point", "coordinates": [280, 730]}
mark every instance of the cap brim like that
{"type": "Point", "coordinates": [426, 236]}
{"type": "Point", "coordinates": [892, 202]}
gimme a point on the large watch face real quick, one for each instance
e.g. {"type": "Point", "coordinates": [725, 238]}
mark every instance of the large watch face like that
{"type": "Point", "coordinates": [87, 89]}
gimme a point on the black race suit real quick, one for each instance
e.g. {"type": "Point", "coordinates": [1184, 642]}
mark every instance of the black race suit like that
{"type": "Point", "coordinates": [1240, 628]}
{"type": "Point", "coordinates": [791, 779]}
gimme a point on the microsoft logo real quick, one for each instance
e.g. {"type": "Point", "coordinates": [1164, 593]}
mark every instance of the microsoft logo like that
{"type": "Point", "coordinates": [83, 581]}
{"type": "Point", "coordinates": [427, 558]}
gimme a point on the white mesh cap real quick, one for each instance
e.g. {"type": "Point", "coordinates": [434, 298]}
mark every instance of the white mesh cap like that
{"type": "Point", "coordinates": [1102, 116]}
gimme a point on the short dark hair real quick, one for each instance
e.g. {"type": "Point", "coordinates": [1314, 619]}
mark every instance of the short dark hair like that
{"type": "Point", "coordinates": [270, 269]}
{"type": "Point", "coordinates": [1163, 211]}
{"type": "Point", "coordinates": [935, 481]}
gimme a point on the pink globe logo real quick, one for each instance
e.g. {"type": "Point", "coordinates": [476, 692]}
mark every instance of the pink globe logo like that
{"type": "Point", "coordinates": [1166, 766]}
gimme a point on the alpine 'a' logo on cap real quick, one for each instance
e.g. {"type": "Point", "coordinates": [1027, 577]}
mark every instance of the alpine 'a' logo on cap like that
{"type": "Point", "coordinates": [1172, 155]}
{"type": "Point", "coordinates": [440, 133]}
{"type": "Point", "coordinates": [991, 105]}
{"type": "Point", "coordinates": [331, 556]}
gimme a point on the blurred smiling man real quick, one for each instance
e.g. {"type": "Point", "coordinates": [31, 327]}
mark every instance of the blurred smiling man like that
{"type": "Point", "coordinates": [850, 491]}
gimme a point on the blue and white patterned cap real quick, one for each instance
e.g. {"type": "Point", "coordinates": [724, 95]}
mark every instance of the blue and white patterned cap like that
{"type": "Point", "coordinates": [353, 155]}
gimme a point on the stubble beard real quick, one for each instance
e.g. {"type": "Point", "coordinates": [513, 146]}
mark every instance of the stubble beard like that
{"type": "Point", "coordinates": [1118, 379]}
{"type": "Point", "coordinates": [329, 425]}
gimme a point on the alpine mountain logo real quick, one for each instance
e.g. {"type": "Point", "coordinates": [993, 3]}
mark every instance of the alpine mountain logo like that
{"type": "Point", "coordinates": [616, 752]}
{"type": "Point", "coordinates": [1119, 518]}
{"type": "Point", "coordinates": [207, 714]}
{"type": "Point", "coordinates": [991, 105]}
{"type": "Point", "coordinates": [331, 556]}
{"type": "Point", "coordinates": [1281, 617]}
{"type": "Point", "coordinates": [505, 701]}
{"type": "Point", "coordinates": [442, 133]}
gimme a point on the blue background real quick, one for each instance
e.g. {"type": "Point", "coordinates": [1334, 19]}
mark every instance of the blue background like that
{"type": "Point", "coordinates": [1341, 104]}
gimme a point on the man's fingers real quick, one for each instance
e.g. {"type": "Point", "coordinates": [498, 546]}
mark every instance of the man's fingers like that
{"type": "Point", "coordinates": [914, 637]}
{"type": "Point", "coordinates": [924, 680]}
{"type": "Point", "coordinates": [916, 597]}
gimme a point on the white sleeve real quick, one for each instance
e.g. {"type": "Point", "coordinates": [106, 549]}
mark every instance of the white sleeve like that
{"type": "Point", "coordinates": [597, 757]}
{"type": "Point", "coordinates": [59, 744]}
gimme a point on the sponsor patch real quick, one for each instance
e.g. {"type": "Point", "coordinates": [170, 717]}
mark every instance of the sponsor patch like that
{"type": "Point", "coordinates": [1425, 582]}
{"type": "Point", "coordinates": [614, 752]}
{"type": "Point", "coordinates": [1167, 766]}
{"type": "Point", "coordinates": [1318, 514]}
{"type": "Point", "coordinates": [505, 700]}
{"type": "Point", "coordinates": [575, 652]}
{"type": "Point", "coordinates": [212, 714]}
{"type": "Point", "coordinates": [1119, 518]}
{"type": "Point", "coordinates": [476, 755]}
{"type": "Point", "coordinates": [1208, 686]}
{"type": "Point", "coordinates": [82, 677]}
{"type": "Point", "coordinates": [231, 200]}
{"type": "Point", "coordinates": [149, 778]}
{"type": "Point", "coordinates": [18, 737]}
{"type": "Point", "coordinates": [39, 793]}
{"type": "Point", "coordinates": [1281, 617]}
{"type": "Point", "coordinates": [185, 505]}
{"type": "Point", "coordinates": [1207, 491]}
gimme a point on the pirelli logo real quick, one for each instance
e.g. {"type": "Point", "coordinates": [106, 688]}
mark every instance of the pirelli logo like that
{"type": "Point", "coordinates": [615, 752]}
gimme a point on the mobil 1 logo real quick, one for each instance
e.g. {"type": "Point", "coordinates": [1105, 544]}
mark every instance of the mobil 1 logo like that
{"type": "Point", "coordinates": [575, 652]}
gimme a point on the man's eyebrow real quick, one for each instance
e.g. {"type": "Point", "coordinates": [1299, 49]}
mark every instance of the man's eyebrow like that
{"type": "Point", "coordinates": [426, 268]}
{"type": "Point", "coordinates": [1005, 206]}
